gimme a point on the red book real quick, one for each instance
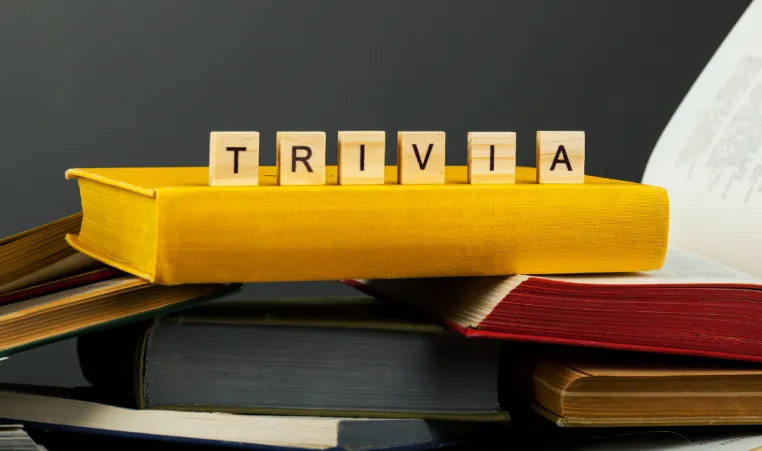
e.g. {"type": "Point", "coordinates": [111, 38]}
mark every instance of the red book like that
{"type": "Point", "coordinates": [691, 306]}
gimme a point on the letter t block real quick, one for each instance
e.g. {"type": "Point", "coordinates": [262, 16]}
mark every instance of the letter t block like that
{"type": "Point", "coordinates": [560, 157]}
{"type": "Point", "coordinates": [234, 158]}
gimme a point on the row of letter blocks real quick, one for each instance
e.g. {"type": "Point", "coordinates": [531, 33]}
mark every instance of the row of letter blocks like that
{"type": "Point", "coordinates": [300, 158]}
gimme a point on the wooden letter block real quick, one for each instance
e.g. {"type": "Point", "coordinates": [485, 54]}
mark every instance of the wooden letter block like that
{"type": "Point", "coordinates": [421, 158]}
{"type": "Point", "coordinates": [491, 157]}
{"type": "Point", "coordinates": [560, 157]}
{"type": "Point", "coordinates": [233, 158]}
{"type": "Point", "coordinates": [361, 158]}
{"type": "Point", "coordinates": [300, 158]}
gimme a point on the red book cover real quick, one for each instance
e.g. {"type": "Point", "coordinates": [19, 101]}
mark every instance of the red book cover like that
{"type": "Point", "coordinates": [691, 306]}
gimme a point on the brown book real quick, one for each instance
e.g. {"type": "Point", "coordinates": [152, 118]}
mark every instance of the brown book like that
{"type": "Point", "coordinates": [41, 255]}
{"type": "Point", "coordinates": [603, 388]}
{"type": "Point", "coordinates": [49, 291]}
{"type": "Point", "coordinates": [63, 314]}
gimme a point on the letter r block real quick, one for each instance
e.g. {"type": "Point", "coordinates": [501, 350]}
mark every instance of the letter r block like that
{"type": "Point", "coordinates": [560, 157]}
{"type": "Point", "coordinates": [491, 157]}
{"type": "Point", "coordinates": [300, 158]}
{"type": "Point", "coordinates": [361, 158]}
{"type": "Point", "coordinates": [421, 158]}
{"type": "Point", "coordinates": [233, 158]}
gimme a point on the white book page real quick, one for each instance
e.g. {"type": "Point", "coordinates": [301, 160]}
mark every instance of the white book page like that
{"type": "Point", "coordinates": [709, 157]}
{"type": "Point", "coordinates": [664, 441]}
{"type": "Point", "coordinates": [680, 267]}
{"type": "Point", "coordinates": [740, 443]}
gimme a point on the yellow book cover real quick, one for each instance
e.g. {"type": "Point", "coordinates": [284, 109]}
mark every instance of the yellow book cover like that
{"type": "Point", "coordinates": [169, 226]}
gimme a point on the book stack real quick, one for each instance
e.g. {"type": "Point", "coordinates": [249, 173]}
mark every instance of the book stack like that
{"type": "Point", "coordinates": [508, 308]}
{"type": "Point", "coordinates": [139, 277]}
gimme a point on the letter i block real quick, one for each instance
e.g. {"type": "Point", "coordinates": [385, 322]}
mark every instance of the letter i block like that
{"type": "Point", "coordinates": [491, 157]}
{"type": "Point", "coordinates": [361, 158]}
{"type": "Point", "coordinates": [560, 157]}
{"type": "Point", "coordinates": [300, 158]}
{"type": "Point", "coordinates": [233, 158]}
{"type": "Point", "coordinates": [421, 158]}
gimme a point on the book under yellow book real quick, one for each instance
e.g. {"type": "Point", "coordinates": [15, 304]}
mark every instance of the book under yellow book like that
{"type": "Point", "coordinates": [169, 226]}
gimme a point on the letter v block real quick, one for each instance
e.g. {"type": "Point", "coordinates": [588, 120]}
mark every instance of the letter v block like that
{"type": "Point", "coordinates": [421, 158]}
{"type": "Point", "coordinates": [300, 158]}
{"type": "Point", "coordinates": [560, 157]}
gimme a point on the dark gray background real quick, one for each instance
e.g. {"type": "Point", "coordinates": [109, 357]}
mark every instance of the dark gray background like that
{"type": "Point", "coordinates": [141, 83]}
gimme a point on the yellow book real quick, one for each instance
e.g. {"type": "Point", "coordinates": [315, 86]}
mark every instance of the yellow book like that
{"type": "Point", "coordinates": [168, 226]}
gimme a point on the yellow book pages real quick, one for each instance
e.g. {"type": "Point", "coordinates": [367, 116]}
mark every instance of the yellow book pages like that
{"type": "Point", "coordinates": [168, 226]}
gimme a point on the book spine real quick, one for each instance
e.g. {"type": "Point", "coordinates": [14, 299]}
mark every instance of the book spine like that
{"type": "Point", "coordinates": [215, 236]}
{"type": "Point", "coordinates": [109, 361]}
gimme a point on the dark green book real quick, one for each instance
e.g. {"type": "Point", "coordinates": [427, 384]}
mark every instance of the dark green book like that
{"type": "Point", "coordinates": [343, 357]}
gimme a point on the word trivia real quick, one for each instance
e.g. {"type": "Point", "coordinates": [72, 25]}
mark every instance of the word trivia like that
{"type": "Point", "coordinates": [300, 158]}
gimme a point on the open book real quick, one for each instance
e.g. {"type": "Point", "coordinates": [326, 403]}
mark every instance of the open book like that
{"type": "Point", "coordinates": [707, 298]}
{"type": "Point", "coordinates": [709, 158]}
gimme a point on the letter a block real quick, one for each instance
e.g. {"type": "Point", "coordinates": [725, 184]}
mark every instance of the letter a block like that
{"type": "Point", "coordinates": [421, 158]}
{"type": "Point", "coordinates": [361, 158]}
{"type": "Point", "coordinates": [233, 158]}
{"type": "Point", "coordinates": [560, 157]}
{"type": "Point", "coordinates": [491, 157]}
{"type": "Point", "coordinates": [300, 158]}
